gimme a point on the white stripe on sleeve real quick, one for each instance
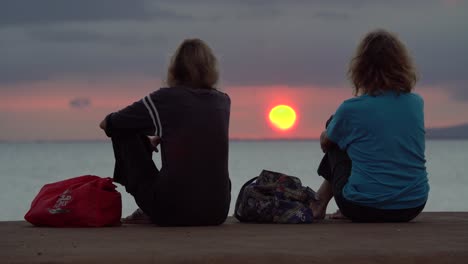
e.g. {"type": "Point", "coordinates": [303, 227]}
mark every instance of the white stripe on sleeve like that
{"type": "Point", "coordinates": [151, 114]}
{"type": "Point", "coordinates": [157, 116]}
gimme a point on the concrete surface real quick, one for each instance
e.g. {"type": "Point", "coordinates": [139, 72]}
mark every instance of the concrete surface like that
{"type": "Point", "coordinates": [433, 237]}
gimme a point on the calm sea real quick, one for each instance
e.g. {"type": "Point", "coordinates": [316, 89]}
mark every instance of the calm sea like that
{"type": "Point", "coordinates": [26, 167]}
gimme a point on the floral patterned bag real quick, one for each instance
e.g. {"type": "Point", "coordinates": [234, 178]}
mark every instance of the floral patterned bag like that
{"type": "Point", "coordinates": [274, 197]}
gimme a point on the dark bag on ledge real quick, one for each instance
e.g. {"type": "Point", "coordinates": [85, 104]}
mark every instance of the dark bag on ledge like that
{"type": "Point", "coordinates": [274, 197]}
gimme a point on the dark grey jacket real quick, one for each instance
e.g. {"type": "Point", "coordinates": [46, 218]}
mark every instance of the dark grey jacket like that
{"type": "Point", "coordinates": [194, 127]}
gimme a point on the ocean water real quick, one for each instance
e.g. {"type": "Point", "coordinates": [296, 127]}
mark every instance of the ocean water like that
{"type": "Point", "coordinates": [26, 167]}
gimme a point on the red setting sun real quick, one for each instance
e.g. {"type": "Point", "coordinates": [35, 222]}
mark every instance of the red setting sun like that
{"type": "Point", "coordinates": [282, 117]}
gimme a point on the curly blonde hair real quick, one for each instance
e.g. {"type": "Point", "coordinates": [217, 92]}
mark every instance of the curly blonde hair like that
{"type": "Point", "coordinates": [382, 63]}
{"type": "Point", "coordinates": [194, 65]}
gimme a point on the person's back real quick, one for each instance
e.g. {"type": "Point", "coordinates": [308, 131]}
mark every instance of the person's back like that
{"type": "Point", "coordinates": [190, 120]}
{"type": "Point", "coordinates": [384, 137]}
{"type": "Point", "coordinates": [194, 151]}
{"type": "Point", "coordinates": [375, 142]}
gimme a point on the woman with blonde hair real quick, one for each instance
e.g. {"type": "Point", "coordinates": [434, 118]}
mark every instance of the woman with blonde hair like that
{"type": "Point", "coordinates": [190, 120]}
{"type": "Point", "coordinates": [374, 164]}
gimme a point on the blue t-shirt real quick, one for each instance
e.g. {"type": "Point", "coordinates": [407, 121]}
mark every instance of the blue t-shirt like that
{"type": "Point", "coordinates": [385, 138]}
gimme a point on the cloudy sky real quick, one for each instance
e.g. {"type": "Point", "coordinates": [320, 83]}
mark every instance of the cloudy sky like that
{"type": "Point", "coordinates": [65, 64]}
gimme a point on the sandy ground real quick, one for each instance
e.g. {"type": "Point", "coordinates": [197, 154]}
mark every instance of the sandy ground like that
{"type": "Point", "coordinates": [431, 238]}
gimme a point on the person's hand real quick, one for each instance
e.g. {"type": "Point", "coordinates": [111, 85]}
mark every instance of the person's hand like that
{"type": "Point", "coordinates": [155, 142]}
{"type": "Point", "coordinates": [103, 124]}
{"type": "Point", "coordinates": [324, 141]}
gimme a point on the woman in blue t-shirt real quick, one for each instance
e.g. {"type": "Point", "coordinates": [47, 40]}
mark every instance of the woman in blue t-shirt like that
{"type": "Point", "coordinates": [374, 164]}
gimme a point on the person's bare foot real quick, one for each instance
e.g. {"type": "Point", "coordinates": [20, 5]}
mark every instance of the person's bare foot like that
{"type": "Point", "coordinates": [137, 217]}
{"type": "Point", "coordinates": [337, 215]}
{"type": "Point", "coordinates": [319, 209]}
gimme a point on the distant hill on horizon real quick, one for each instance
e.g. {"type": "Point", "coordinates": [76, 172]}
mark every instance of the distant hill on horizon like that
{"type": "Point", "coordinates": [451, 132]}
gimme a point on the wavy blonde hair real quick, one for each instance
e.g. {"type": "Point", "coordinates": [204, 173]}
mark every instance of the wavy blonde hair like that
{"type": "Point", "coordinates": [382, 63]}
{"type": "Point", "coordinates": [194, 65]}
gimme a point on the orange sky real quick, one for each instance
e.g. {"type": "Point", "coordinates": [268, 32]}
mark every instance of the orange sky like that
{"type": "Point", "coordinates": [63, 68]}
{"type": "Point", "coordinates": [44, 112]}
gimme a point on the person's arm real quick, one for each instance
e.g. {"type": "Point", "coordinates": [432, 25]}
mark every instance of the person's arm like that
{"type": "Point", "coordinates": [325, 142]}
{"type": "Point", "coordinates": [338, 129]}
{"type": "Point", "coordinates": [140, 117]}
{"type": "Point", "coordinates": [155, 140]}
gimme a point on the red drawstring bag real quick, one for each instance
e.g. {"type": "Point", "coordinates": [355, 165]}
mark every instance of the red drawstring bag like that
{"type": "Point", "coordinates": [84, 201]}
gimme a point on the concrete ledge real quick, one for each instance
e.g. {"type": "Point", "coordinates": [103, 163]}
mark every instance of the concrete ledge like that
{"type": "Point", "coordinates": [431, 238]}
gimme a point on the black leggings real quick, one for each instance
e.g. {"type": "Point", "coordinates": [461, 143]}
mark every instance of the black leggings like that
{"type": "Point", "coordinates": [335, 167]}
{"type": "Point", "coordinates": [153, 192]}
{"type": "Point", "coordinates": [135, 169]}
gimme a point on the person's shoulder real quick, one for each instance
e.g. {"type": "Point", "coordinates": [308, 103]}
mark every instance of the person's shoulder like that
{"type": "Point", "coordinates": [354, 105]}
{"type": "Point", "coordinates": [166, 92]}
{"type": "Point", "coordinates": [416, 96]}
{"type": "Point", "coordinates": [158, 91]}
{"type": "Point", "coordinates": [353, 102]}
{"type": "Point", "coordinates": [221, 98]}
{"type": "Point", "coordinates": [210, 92]}
{"type": "Point", "coordinates": [414, 99]}
{"type": "Point", "coordinates": [222, 94]}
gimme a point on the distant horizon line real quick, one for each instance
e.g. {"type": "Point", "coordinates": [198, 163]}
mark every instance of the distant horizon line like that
{"type": "Point", "coordinates": [429, 135]}
{"type": "Point", "coordinates": [105, 140]}
{"type": "Point", "coordinates": [40, 141]}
